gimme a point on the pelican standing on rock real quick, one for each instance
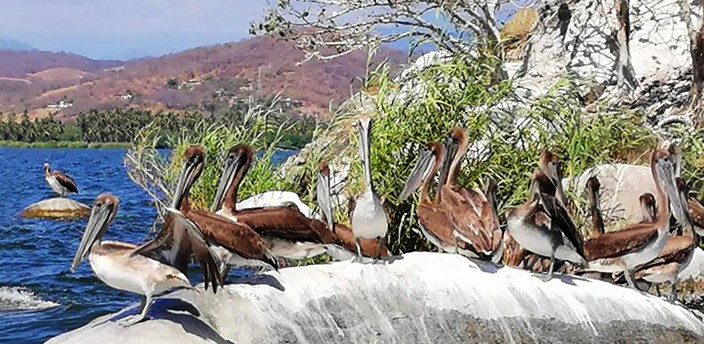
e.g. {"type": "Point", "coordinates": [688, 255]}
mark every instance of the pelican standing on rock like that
{"type": "Point", "coordinates": [343, 234]}
{"type": "Point", "coordinates": [433, 220]}
{"type": "Point", "coordinates": [59, 182]}
{"type": "Point", "coordinates": [126, 266]}
{"type": "Point", "coordinates": [541, 226]}
{"type": "Point", "coordinates": [288, 233]}
{"type": "Point", "coordinates": [368, 218]}
{"type": "Point", "coordinates": [640, 243]}
{"type": "Point", "coordinates": [675, 256]}
{"type": "Point", "coordinates": [471, 213]}
{"type": "Point", "coordinates": [234, 244]}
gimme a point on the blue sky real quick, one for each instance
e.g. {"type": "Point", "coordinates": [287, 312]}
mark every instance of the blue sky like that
{"type": "Point", "coordinates": [125, 29]}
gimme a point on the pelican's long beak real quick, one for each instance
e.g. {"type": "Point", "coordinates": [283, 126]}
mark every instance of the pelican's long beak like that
{"type": "Point", "coordinates": [363, 128]}
{"type": "Point", "coordinates": [665, 171]}
{"type": "Point", "coordinates": [322, 189]}
{"type": "Point", "coordinates": [683, 193]}
{"type": "Point", "coordinates": [229, 171]}
{"type": "Point", "coordinates": [555, 169]}
{"type": "Point", "coordinates": [190, 171]}
{"type": "Point", "coordinates": [100, 218]}
{"type": "Point", "coordinates": [418, 175]}
{"type": "Point", "coordinates": [451, 148]}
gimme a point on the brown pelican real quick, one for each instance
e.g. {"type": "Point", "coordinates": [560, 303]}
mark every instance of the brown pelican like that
{"type": "Point", "coordinates": [647, 207]}
{"type": "Point", "coordinates": [433, 221]}
{"type": "Point", "coordinates": [542, 226]}
{"type": "Point", "coordinates": [639, 243]}
{"type": "Point", "coordinates": [471, 215]}
{"type": "Point", "coordinates": [593, 186]}
{"type": "Point", "coordinates": [61, 183]}
{"type": "Point", "coordinates": [343, 234]}
{"type": "Point", "coordinates": [290, 234]}
{"type": "Point", "coordinates": [696, 213]}
{"type": "Point", "coordinates": [368, 218]}
{"type": "Point", "coordinates": [235, 244]}
{"type": "Point", "coordinates": [675, 256]}
{"type": "Point", "coordinates": [133, 268]}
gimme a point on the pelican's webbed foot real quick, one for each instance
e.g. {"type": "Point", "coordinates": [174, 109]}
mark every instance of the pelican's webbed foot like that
{"type": "Point", "coordinates": [548, 277]}
{"type": "Point", "coordinates": [359, 257]}
{"type": "Point", "coordinates": [145, 304]}
{"type": "Point", "coordinates": [629, 278]}
{"type": "Point", "coordinates": [673, 293]}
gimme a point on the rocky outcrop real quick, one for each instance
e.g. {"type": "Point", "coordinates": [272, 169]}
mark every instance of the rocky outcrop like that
{"type": "Point", "coordinates": [621, 187]}
{"type": "Point", "coordinates": [56, 208]}
{"type": "Point", "coordinates": [414, 298]}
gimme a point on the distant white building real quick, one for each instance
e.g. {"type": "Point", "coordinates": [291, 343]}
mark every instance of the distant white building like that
{"type": "Point", "coordinates": [60, 105]}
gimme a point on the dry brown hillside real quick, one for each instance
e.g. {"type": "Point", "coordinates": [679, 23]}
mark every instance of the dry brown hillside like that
{"type": "Point", "coordinates": [190, 80]}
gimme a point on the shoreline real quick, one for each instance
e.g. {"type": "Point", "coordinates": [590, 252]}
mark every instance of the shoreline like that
{"type": "Point", "coordinates": [64, 144]}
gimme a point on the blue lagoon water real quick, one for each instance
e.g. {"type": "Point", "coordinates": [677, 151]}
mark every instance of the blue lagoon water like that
{"type": "Point", "coordinates": [39, 296]}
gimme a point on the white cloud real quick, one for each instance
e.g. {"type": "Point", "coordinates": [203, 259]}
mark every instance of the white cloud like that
{"type": "Point", "coordinates": [108, 28]}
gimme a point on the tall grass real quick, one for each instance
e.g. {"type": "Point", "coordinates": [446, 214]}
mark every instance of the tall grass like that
{"type": "Point", "coordinates": [157, 172]}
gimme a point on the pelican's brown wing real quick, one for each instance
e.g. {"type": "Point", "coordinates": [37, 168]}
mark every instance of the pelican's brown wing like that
{"type": "Point", "coordinates": [235, 237]}
{"type": "Point", "coordinates": [65, 181]}
{"type": "Point", "coordinates": [676, 250]}
{"type": "Point", "coordinates": [191, 241]}
{"type": "Point", "coordinates": [513, 252]}
{"type": "Point", "coordinates": [464, 219]}
{"type": "Point", "coordinates": [614, 244]}
{"type": "Point", "coordinates": [346, 239]}
{"type": "Point", "coordinates": [696, 212]}
{"type": "Point", "coordinates": [201, 250]}
{"type": "Point", "coordinates": [285, 222]}
{"type": "Point", "coordinates": [562, 220]}
{"type": "Point", "coordinates": [435, 221]}
{"type": "Point", "coordinates": [158, 247]}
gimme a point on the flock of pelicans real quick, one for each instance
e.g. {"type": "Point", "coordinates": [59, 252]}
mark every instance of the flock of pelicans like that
{"type": "Point", "coordinates": [540, 233]}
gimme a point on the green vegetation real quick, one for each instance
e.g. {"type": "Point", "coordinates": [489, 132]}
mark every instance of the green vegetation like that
{"type": "Point", "coordinates": [505, 136]}
{"type": "Point", "coordinates": [63, 144]}
{"type": "Point", "coordinates": [157, 173]}
{"type": "Point", "coordinates": [101, 128]}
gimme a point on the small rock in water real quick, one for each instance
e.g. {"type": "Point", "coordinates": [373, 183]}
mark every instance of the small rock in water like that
{"type": "Point", "coordinates": [56, 208]}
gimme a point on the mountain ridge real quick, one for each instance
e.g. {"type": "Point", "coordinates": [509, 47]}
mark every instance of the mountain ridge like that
{"type": "Point", "coordinates": [197, 79]}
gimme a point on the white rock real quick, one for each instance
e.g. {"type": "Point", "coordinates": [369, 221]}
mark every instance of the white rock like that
{"type": "Point", "coordinates": [420, 297]}
{"type": "Point", "coordinates": [695, 269]}
{"type": "Point", "coordinates": [621, 187]}
{"type": "Point", "coordinates": [272, 199]}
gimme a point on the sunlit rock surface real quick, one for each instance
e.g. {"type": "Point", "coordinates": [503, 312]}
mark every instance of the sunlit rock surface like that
{"type": "Point", "coordinates": [621, 187]}
{"type": "Point", "coordinates": [56, 208]}
{"type": "Point", "coordinates": [416, 298]}
{"type": "Point", "coordinates": [274, 198]}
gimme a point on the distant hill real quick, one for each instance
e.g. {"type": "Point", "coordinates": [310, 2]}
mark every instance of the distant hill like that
{"type": "Point", "coordinates": [202, 79]}
{"type": "Point", "coordinates": [11, 44]}
{"type": "Point", "coordinates": [18, 64]}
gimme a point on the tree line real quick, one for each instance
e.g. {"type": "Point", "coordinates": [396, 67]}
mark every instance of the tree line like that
{"type": "Point", "coordinates": [122, 125]}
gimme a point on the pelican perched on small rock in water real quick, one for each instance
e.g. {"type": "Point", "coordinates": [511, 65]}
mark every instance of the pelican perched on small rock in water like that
{"type": "Point", "coordinates": [368, 218]}
{"type": "Point", "coordinates": [132, 268]}
{"type": "Point", "coordinates": [61, 183]}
